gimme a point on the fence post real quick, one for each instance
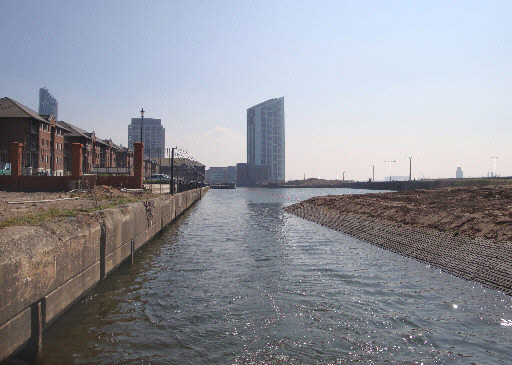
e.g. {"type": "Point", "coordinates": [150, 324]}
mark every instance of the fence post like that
{"type": "Point", "coordinates": [16, 148]}
{"type": "Point", "coordinates": [138, 168]}
{"type": "Point", "coordinates": [77, 161]}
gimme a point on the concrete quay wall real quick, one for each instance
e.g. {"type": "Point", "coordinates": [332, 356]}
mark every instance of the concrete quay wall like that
{"type": "Point", "coordinates": [481, 260]}
{"type": "Point", "coordinates": [44, 269]}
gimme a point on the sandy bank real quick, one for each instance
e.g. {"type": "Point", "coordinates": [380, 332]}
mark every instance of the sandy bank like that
{"type": "Point", "coordinates": [466, 231]}
{"type": "Point", "coordinates": [472, 211]}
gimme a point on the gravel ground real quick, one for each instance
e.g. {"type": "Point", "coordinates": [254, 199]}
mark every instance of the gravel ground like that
{"type": "Point", "coordinates": [470, 211]}
{"type": "Point", "coordinates": [100, 196]}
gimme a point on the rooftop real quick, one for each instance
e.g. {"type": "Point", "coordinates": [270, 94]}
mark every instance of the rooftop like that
{"type": "Point", "coordinates": [10, 108]}
{"type": "Point", "coordinates": [267, 102]}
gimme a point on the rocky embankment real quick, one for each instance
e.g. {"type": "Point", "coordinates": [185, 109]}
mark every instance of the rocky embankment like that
{"type": "Point", "coordinates": [464, 231]}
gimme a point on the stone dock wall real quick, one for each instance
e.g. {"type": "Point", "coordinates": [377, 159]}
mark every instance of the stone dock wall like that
{"type": "Point", "coordinates": [480, 259]}
{"type": "Point", "coordinates": [44, 269]}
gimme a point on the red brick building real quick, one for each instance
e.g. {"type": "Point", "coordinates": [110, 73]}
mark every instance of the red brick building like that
{"type": "Point", "coordinates": [77, 135]}
{"type": "Point", "coordinates": [42, 138]}
{"type": "Point", "coordinates": [47, 143]}
{"type": "Point", "coordinates": [184, 169]}
{"type": "Point", "coordinates": [96, 153]}
{"type": "Point", "coordinates": [124, 157]}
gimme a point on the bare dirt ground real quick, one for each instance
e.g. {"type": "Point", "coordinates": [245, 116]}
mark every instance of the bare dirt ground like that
{"type": "Point", "coordinates": [472, 211]}
{"type": "Point", "coordinates": [32, 213]}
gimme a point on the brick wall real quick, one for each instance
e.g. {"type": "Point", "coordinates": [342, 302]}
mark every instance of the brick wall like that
{"type": "Point", "coordinates": [18, 182]}
{"type": "Point", "coordinates": [46, 183]}
{"type": "Point", "coordinates": [117, 181]}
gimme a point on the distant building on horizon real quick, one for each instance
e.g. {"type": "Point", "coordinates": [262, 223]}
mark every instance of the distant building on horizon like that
{"type": "Point", "coordinates": [397, 178]}
{"type": "Point", "coordinates": [153, 134]}
{"type": "Point", "coordinates": [459, 174]}
{"type": "Point", "coordinates": [266, 142]}
{"type": "Point", "coordinates": [221, 175]}
{"type": "Point", "coordinates": [48, 105]}
{"type": "Point", "coordinates": [184, 168]}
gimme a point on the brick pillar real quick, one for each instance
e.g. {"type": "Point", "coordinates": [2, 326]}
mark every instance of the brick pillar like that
{"type": "Point", "coordinates": [138, 168]}
{"type": "Point", "coordinates": [77, 160]}
{"type": "Point", "coordinates": [16, 148]}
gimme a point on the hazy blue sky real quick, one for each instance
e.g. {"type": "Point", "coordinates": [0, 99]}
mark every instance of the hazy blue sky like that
{"type": "Point", "coordinates": [363, 81]}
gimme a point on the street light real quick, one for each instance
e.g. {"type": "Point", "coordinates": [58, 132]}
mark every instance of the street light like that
{"type": "Point", "coordinates": [142, 122]}
{"type": "Point", "coordinates": [390, 162]}
{"type": "Point", "coordinates": [170, 152]}
{"type": "Point", "coordinates": [494, 158]}
{"type": "Point", "coordinates": [410, 168]}
{"type": "Point", "coordinates": [373, 173]}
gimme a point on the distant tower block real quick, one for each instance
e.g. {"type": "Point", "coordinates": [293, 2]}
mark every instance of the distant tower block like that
{"type": "Point", "coordinates": [48, 105]}
{"type": "Point", "coordinates": [265, 139]}
{"type": "Point", "coordinates": [459, 174]}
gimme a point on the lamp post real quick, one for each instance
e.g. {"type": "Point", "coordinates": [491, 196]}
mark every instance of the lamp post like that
{"type": "Point", "coordinates": [141, 137]}
{"type": "Point", "coordinates": [142, 122]}
{"type": "Point", "coordinates": [172, 170]}
{"type": "Point", "coordinates": [390, 162]}
{"type": "Point", "coordinates": [494, 158]}
{"type": "Point", "coordinates": [410, 168]}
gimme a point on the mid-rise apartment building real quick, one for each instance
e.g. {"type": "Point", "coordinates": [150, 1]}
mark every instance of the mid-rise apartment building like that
{"type": "Point", "coordinates": [153, 134]}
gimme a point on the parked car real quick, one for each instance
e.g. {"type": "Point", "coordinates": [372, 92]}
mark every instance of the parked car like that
{"type": "Point", "coordinates": [158, 177]}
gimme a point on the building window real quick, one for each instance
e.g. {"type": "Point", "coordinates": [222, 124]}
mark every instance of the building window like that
{"type": "Point", "coordinates": [46, 158]}
{"type": "Point", "coordinates": [47, 144]}
{"type": "Point", "coordinates": [42, 142]}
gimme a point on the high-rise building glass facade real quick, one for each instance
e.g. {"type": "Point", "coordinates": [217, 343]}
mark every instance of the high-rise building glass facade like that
{"type": "Point", "coordinates": [48, 105]}
{"type": "Point", "coordinates": [265, 138]}
{"type": "Point", "coordinates": [153, 135]}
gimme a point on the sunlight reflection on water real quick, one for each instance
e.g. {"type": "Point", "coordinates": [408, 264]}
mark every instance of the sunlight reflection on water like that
{"type": "Point", "coordinates": [238, 280]}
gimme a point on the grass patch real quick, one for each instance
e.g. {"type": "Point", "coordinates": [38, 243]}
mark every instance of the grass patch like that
{"type": "Point", "coordinates": [37, 218]}
{"type": "Point", "coordinates": [32, 219]}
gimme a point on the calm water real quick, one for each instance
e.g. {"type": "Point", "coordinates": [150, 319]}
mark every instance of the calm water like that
{"type": "Point", "coordinates": [237, 280]}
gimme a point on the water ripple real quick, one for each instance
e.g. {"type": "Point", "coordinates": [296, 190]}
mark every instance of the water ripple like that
{"type": "Point", "coordinates": [236, 280]}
